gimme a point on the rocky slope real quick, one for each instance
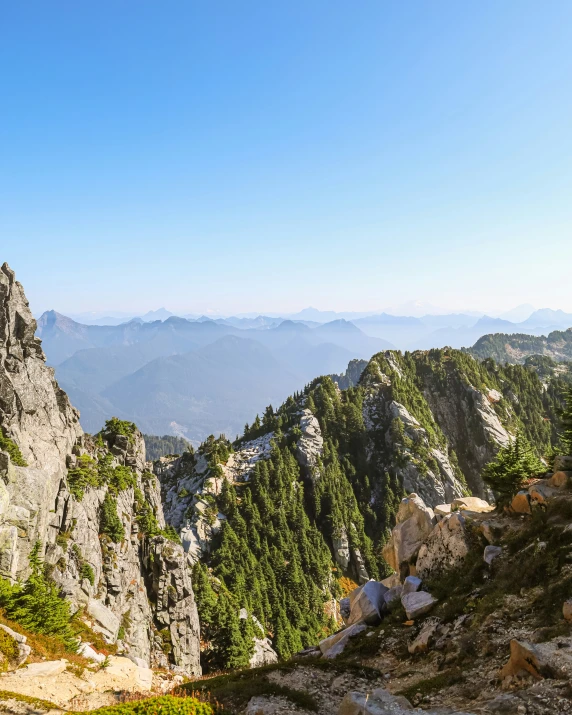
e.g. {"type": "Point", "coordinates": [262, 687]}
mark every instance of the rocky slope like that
{"type": "Point", "coordinates": [91, 504]}
{"type": "Point", "coordinates": [425, 422]}
{"type": "Point", "coordinates": [516, 348]}
{"type": "Point", "coordinates": [479, 622]}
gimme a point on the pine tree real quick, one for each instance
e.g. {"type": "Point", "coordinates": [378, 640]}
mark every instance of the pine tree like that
{"type": "Point", "coordinates": [511, 468]}
{"type": "Point", "coordinates": [38, 606]}
{"type": "Point", "coordinates": [109, 523]}
{"type": "Point", "coordinates": [566, 422]}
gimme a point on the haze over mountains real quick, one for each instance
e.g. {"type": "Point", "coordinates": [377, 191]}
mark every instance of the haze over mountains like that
{"type": "Point", "coordinates": [195, 376]}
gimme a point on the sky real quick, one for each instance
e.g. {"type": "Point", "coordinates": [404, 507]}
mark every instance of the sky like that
{"type": "Point", "coordinates": [242, 155]}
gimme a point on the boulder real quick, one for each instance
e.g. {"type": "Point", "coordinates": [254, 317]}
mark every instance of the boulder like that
{"type": "Point", "coordinates": [480, 506]}
{"type": "Point", "coordinates": [490, 553]}
{"type": "Point", "coordinates": [366, 603]}
{"type": "Point", "coordinates": [563, 463]}
{"type": "Point", "coordinates": [23, 650]}
{"type": "Point", "coordinates": [90, 653]}
{"type": "Point", "coordinates": [421, 642]}
{"type": "Point", "coordinates": [521, 503]}
{"type": "Point", "coordinates": [417, 604]}
{"type": "Point", "coordinates": [442, 510]}
{"type": "Point", "coordinates": [415, 522]}
{"type": "Point", "coordinates": [391, 581]}
{"type": "Point", "coordinates": [334, 645]}
{"type": "Point", "coordinates": [541, 492]}
{"type": "Point", "coordinates": [394, 594]}
{"type": "Point", "coordinates": [411, 585]}
{"type": "Point", "coordinates": [560, 480]}
{"type": "Point", "coordinates": [525, 657]}
{"type": "Point", "coordinates": [445, 548]}
{"type": "Point", "coordinates": [567, 610]}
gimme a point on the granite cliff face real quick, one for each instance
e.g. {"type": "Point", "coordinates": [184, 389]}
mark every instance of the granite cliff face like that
{"type": "Point", "coordinates": [59, 486]}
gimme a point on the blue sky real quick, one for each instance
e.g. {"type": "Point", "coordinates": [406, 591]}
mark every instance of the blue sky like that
{"type": "Point", "coordinates": [240, 156]}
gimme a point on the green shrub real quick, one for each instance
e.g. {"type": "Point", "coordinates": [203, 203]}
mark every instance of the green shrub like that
{"type": "Point", "coordinates": [511, 468]}
{"type": "Point", "coordinates": [84, 475]}
{"type": "Point", "coordinates": [109, 523]}
{"type": "Point", "coordinates": [117, 426]}
{"type": "Point", "coordinates": [163, 705]}
{"type": "Point", "coordinates": [8, 648]}
{"type": "Point", "coordinates": [86, 571]}
{"type": "Point", "coordinates": [7, 445]}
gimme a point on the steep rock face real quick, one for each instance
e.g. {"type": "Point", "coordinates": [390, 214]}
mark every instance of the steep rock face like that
{"type": "Point", "coordinates": [58, 499]}
{"type": "Point", "coordinates": [37, 416]}
{"type": "Point", "coordinates": [399, 443]}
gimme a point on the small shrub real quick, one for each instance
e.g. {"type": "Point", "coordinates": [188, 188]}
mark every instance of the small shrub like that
{"type": "Point", "coordinates": [84, 475]}
{"type": "Point", "coordinates": [7, 445]}
{"type": "Point", "coordinates": [8, 648]}
{"type": "Point", "coordinates": [86, 571]}
{"type": "Point", "coordinates": [163, 705]}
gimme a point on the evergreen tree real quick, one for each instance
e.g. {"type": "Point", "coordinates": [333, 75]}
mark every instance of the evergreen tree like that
{"type": "Point", "coordinates": [109, 523]}
{"type": "Point", "coordinates": [566, 422]}
{"type": "Point", "coordinates": [511, 468]}
{"type": "Point", "coordinates": [38, 606]}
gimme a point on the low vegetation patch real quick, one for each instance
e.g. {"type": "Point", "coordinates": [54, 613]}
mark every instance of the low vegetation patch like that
{"type": "Point", "coordinates": [234, 690]}
{"type": "Point", "coordinates": [7, 445]}
{"type": "Point", "coordinates": [163, 705]}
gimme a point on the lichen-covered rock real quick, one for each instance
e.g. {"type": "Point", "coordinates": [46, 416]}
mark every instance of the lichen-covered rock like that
{"type": "Point", "coordinates": [445, 548]}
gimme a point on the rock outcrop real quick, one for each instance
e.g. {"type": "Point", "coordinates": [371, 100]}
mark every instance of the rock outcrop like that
{"type": "Point", "coordinates": [57, 486]}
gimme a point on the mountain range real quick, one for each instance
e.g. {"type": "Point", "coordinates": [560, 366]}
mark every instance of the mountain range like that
{"type": "Point", "coordinates": [192, 378]}
{"type": "Point", "coordinates": [197, 376]}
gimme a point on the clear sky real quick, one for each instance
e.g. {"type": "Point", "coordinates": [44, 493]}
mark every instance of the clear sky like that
{"type": "Point", "coordinates": [241, 155]}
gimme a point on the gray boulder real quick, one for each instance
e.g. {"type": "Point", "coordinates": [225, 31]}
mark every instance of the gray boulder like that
{"type": "Point", "coordinates": [334, 645]}
{"type": "Point", "coordinates": [367, 603]}
{"type": "Point", "coordinates": [417, 604]}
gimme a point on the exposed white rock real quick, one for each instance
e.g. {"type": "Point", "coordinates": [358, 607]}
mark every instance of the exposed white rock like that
{"type": "Point", "coordinates": [310, 446]}
{"type": "Point", "coordinates": [264, 653]}
{"type": "Point", "coordinates": [415, 521]}
{"type": "Point", "coordinates": [445, 548]}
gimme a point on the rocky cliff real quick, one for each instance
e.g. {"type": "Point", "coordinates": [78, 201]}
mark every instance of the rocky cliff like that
{"type": "Point", "coordinates": [91, 503]}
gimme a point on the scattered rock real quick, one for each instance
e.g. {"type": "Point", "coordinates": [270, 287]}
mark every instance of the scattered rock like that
{"type": "Point", "coordinates": [88, 652]}
{"type": "Point", "coordinates": [525, 657]}
{"type": "Point", "coordinates": [479, 506]}
{"type": "Point", "coordinates": [417, 604]}
{"type": "Point", "coordinates": [490, 553]}
{"type": "Point", "coordinates": [42, 670]}
{"type": "Point", "coordinates": [560, 480]}
{"type": "Point", "coordinates": [422, 640]}
{"type": "Point", "coordinates": [541, 492]}
{"type": "Point", "coordinates": [521, 503]}
{"type": "Point", "coordinates": [334, 645]}
{"type": "Point", "coordinates": [411, 585]}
